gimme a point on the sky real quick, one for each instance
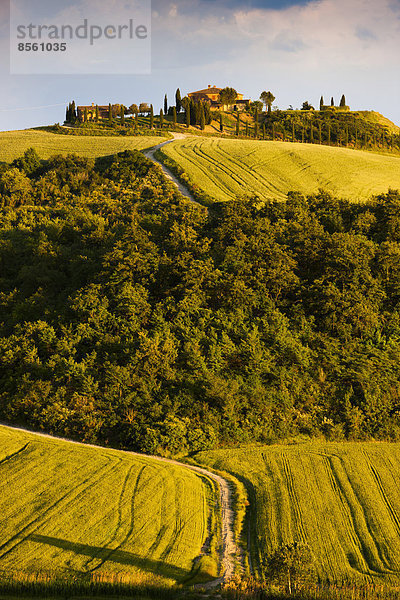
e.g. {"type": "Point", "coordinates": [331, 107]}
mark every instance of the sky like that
{"type": "Point", "coordinates": [297, 49]}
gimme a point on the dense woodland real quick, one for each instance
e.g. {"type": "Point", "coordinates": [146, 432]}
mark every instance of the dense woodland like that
{"type": "Point", "coordinates": [131, 317]}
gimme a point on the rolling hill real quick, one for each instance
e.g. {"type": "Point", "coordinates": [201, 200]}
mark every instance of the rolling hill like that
{"type": "Point", "coordinates": [226, 169]}
{"type": "Point", "coordinates": [14, 143]}
{"type": "Point", "coordinates": [343, 499]}
{"type": "Point", "coordinates": [70, 509]}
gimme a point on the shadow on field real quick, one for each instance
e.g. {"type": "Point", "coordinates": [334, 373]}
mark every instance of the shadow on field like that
{"type": "Point", "coordinates": [104, 554]}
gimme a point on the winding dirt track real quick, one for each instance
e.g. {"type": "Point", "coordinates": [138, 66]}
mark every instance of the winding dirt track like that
{"type": "Point", "coordinates": [149, 153]}
{"type": "Point", "coordinates": [230, 549]}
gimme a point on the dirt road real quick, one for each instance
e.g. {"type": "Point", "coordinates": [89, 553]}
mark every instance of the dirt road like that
{"type": "Point", "coordinates": [230, 550]}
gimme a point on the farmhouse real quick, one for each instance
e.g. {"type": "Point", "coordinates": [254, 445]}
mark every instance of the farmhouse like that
{"type": "Point", "coordinates": [91, 112]}
{"type": "Point", "coordinates": [211, 95]}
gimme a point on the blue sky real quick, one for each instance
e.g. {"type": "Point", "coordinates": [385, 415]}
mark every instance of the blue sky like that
{"type": "Point", "coordinates": [298, 50]}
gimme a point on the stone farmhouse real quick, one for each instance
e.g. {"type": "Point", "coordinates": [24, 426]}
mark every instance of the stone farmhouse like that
{"type": "Point", "coordinates": [91, 110]}
{"type": "Point", "coordinates": [211, 95]}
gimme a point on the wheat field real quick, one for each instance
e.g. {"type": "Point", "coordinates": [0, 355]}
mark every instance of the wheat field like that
{"type": "Point", "coordinates": [343, 499]}
{"type": "Point", "coordinates": [71, 509]}
{"type": "Point", "coordinates": [227, 169]}
{"type": "Point", "coordinates": [14, 143]}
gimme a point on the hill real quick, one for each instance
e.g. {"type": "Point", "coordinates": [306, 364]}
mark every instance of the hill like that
{"type": "Point", "coordinates": [15, 143]}
{"type": "Point", "coordinates": [226, 169]}
{"type": "Point", "coordinates": [342, 499]}
{"type": "Point", "coordinates": [70, 510]}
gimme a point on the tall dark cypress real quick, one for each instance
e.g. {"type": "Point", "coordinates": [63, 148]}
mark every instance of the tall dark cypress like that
{"type": "Point", "coordinates": [343, 101]}
{"type": "Point", "coordinates": [332, 102]}
{"type": "Point", "coordinates": [151, 117]}
{"type": "Point", "coordinates": [174, 116]}
{"type": "Point", "coordinates": [178, 101]}
{"type": "Point", "coordinates": [321, 103]}
{"type": "Point", "coordinates": [256, 123]}
{"type": "Point", "coordinates": [165, 104]}
{"type": "Point", "coordinates": [187, 109]}
{"type": "Point", "coordinates": [161, 119]}
{"type": "Point", "coordinates": [221, 123]}
{"type": "Point", "coordinates": [202, 118]}
{"type": "Point", "coordinates": [97, 113]}
{"type": "Point", "coordinates": [122, 114]}
{"type": "Point", "coordinates": [110, 115]}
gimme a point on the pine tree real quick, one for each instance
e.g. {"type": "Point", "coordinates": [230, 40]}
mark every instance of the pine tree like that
{"type": "Point", "coordinates": [332, 102]}
{"type": "Point", "coordinates": [165, 104]}
{"type": "Point", "coordinates": [97, 113]}
{"type": "Point", "coordinates": [151, 117]}
{"type": "Point", "coordinates": [110, 115]}
{"type": "Point", "coordinates": [178, 101]}
{"type": "Point", "coordinates": [321, 103]}
{"type": "Point", "coordinates": [161, 119]}
{"type": "Point", "coordinates": [174, 116]}
{"type": "Point", "coordinates": [202, 118]}
{"type": "Point", "coordinates": [221, 123]}
{"type": "Point", "coordinates": [343, 101]}
{"type": "Point", "coordinates": [122, 114]}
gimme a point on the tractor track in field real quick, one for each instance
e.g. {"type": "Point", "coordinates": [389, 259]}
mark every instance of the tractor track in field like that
{"type": "Point", "coordinates": [231, 554]}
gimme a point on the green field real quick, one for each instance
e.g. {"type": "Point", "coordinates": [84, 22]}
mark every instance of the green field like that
{"type": "Point", "coordinates": [14, 143]}
{"type": "Point", "coordinates": [70, 509]}
{"type": "Point", "coordinates": [227, 169]}
{"type": "Point", "coordinates": [343, 499]}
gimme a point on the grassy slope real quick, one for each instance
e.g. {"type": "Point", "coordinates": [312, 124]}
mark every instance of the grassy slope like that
{"type": "Point", "coordinates": [341, 498]}
{"type": "Point", "coordinates": [69, 508]}
{"type": "Point", "coordinates": [226, 169]}
{"type": "Point", "coordinates": [14, 143]}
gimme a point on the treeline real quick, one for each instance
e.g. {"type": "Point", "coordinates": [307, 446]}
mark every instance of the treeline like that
{"type": "Point", "coordinates": [131, 317]}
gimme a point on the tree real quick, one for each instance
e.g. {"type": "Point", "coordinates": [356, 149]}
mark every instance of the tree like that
{"type": "Point", "coordinates": [110, 114]}
{"type": "Point", "coordinates": [221, 123]}
{"type": "Point", "coordinates": [332, 102]}
{"type": "Point", "coordinates": [321, 103]}
{"type": "Point", "coordinates": [292, 564]}
{"type": "Point", "coordinates": [85, 118]}
{"type": "Point", "coordinates": [307, 106]}
{"type": "Point", "coordinates": [73, 112]}
{"type": "Point", "coordinates": [178, 101]}
{"type": "Point", "coordinates": [267, 98]}
{"type": "Point", "coordinates": [144, 108]}
{"type": "Point", "coordinates": [174, 116]}
{"type": "Point", "coordinates": [151, 117]}
{"type": "Point", "coordinates": [343, 101]}
{"type": "Point", "coordinates": [237, 124]}
{"type": "Point", "coordinates": [165, 104]}
{"type": "Point", "coordinates": [227, 96]}
{"type": "Point", "coordinates": [97, 113]}
{"type": "Point", "coordinates": [187, 114]}
{"type": "Point", "coordinates": [202, 118]}
{"type": "Point", "coordinates": [122, 114]}
{"type": "Point", "coordinates": [133, 109]}
{"type": "Point", "coordinates": [256, 123]}
{"type": "Point", "coordinates": [161, 119]}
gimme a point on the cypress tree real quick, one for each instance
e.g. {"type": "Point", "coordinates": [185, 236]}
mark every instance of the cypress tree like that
{"type": "Point", "coordinates": [188, 115]}
{"type": "Point", "coordinates": [256, 123]}
{"type": "Point", "coordinates": [68, 113]}
{"type": "Point", "coordinates": [178, 101]}
{"type": "Point", "coordinates": [97, 113]}
{"type": "Point", "coordinates": [110, 115]}
{"type": "Point", "coordinates": [207, 113]}
{"type": "Point", "coordinates": [151, 117]}
{"type": "Point", "coordinates": [343, 101]}
{"type": "Point", "coordinates": [332, 102]}
{"type": "Point", "coordinates": [202, 118]}
{"type": "Point", "coordinates": [321, 103]}
{"type": "Point", "coordinates": [161, 119]}
{"type": "Point", "coordinates": [122, 114]}
{"type": "Point", "coordinates": [221, 123]}
{"type": "Point", "coordinates": [174, 116]}
{"type": "Point", "coordinates": [73, 112]}
{"type": "Point", "coordinates": [165, 104]}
